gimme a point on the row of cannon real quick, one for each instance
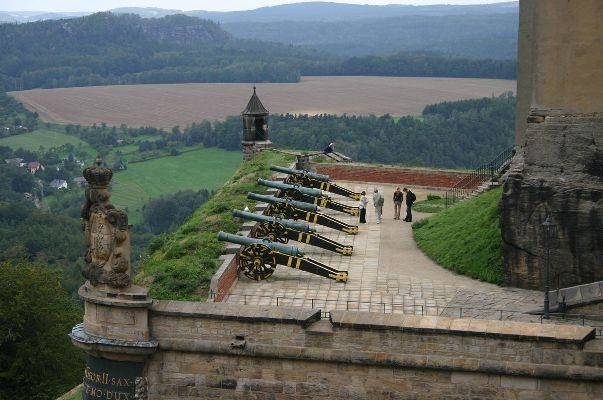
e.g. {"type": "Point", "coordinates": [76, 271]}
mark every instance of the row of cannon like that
{"type": "Point", "coordinates": [287, 218]}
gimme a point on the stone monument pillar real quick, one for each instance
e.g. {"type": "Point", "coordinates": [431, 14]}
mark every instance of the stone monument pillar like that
{"type": "Point", "coordinates": [558, 169]}
{"type": "Point", "coordinates": [115, 332]}
{"type": "Point", "coordinates": [255, 128]}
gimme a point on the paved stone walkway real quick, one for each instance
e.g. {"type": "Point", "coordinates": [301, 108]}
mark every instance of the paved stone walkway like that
{"type": "Point", "coordinates": [387, 273]}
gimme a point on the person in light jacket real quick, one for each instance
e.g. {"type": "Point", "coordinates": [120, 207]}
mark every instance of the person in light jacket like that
{"type": "Point", "coordinates": [378, 204]}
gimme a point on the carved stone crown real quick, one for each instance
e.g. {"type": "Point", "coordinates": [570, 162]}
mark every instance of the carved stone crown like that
{"type": "Point", "coordinates": [98, 176]}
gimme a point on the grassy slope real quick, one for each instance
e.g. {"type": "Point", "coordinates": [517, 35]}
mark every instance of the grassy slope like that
{"type": "Point", "coordinates": [44, 137]}
{"type": "Point", "coordinates": [203, 168]}
{"type": "Point", "coordinates": [181, 264]}
{"type": "Point", "coordinates": [466, 238]}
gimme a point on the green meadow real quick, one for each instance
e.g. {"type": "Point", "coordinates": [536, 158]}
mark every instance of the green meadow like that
{"type": "Point", "coordinates": [197, 169]}
{"type": "Point", "coordinates": [44, 137]}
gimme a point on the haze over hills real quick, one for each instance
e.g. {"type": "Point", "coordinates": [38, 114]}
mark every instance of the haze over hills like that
{"type": "Point", "coordinates": [475, 31]}
{"type": "Point", "coordinates": [310, 11]}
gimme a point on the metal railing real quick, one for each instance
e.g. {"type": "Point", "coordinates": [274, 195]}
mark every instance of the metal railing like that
{"type": "Point", "coordinates": [481, 174]}
{"type": "Point", "coordinates": [327, 305]}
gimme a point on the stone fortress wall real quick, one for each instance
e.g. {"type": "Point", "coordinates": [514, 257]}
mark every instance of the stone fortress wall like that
{"type": "Point", "coordinates": [558, 171]}
{"type": "Point", "coordinates": [560, 53]}
{"type": "Point", "coordinates": [215, 350]}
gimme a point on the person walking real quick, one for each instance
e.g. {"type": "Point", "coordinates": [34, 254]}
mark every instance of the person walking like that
{"type": "Point", "coordinates": [410, 199]}
{"type": "Point", "coordinates": [362, 206]}
{"type": "Point", "coordinates": [398, 195]}
{"type": "Point", "coordinates": [378, 204]}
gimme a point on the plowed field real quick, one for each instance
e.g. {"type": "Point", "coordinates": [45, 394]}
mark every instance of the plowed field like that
{"type": "Point", "coordinates": [181, 104]}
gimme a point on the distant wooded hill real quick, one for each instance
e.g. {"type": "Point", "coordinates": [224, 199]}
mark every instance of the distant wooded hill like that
{"type": "Point", "coordinates": [478, 31]}
{"type": "Point", "coordinates": [105, 48]}
{"type": "Point", "coordinates": [465, 35]}
{"type": "Point", "coordinates": [308, 11]}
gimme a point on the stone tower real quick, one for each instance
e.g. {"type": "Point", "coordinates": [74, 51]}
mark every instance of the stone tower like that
{"type": "Point", "coordinates": [558, 170]}
{"type": "Point", "coordinates": [255, 127]}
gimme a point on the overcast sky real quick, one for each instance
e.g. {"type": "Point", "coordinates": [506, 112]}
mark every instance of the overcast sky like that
{"type": "Point", "coordinates": [186, 5]}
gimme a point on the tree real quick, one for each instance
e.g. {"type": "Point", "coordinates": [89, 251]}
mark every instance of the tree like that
{"type": "Point", "coordinates": [37, 360]}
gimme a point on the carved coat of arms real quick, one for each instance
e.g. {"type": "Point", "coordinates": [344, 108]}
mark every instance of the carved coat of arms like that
{"type": "Point", "coordinates": [106, 231]}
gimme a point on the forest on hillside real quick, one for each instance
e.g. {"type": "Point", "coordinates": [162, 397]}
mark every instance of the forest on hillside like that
{"type": "Point", "coordinates": [104, 49]}
{"type": "Point", "coordinates": [461, 134]}
{"type": "Point", "coordinates": [462, 35]}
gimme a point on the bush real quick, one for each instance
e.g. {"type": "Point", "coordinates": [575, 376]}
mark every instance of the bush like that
{"type": "Point", "coordinates": [433, 197]}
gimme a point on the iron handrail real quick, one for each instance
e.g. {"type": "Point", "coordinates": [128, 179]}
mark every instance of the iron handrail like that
{"type": "Point", "coordinates": [481, 174]}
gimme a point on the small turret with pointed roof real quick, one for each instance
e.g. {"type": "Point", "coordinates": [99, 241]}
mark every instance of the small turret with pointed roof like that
{"type": "Point", "coordinates": [255, 106]}
{"type": "Point", "coordinates": [255, 127]}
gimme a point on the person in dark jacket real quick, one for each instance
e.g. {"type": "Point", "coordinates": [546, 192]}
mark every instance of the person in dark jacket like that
{"type": "Point", "coordinates": [410, 199]}
{"type": "Point", "coordinates": [330, 148]}
{"type": "Point", "coordinates": [398, 195]}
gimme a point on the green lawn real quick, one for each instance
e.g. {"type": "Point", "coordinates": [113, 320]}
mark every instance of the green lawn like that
{"type": "Point", "coordinates": [45, 137]}
{"type": "Point", "coordinates": [466, 237]}
{"type": "Point", "coordinates": [433, 204]}
{"type": "Point", "coordinates": [198, 169]}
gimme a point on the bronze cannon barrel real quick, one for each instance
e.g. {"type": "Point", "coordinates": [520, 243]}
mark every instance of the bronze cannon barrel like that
{"type": "Point", "coordinates": [244, 240]}
{"type": "Point", "coordinates": [295, 225]}
{"type": "Point", "coordinates": [271, 199]}
{"type": "Point", "coordinates": [284, 186]}
{"type": "Point", "coordinates": [291, 171]}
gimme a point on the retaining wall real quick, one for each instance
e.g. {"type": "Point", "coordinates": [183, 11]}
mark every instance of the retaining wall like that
{"type": "Point", "coordinates": [234, 352]}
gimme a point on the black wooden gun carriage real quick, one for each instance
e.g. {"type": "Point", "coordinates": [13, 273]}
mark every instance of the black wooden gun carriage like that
{"type": "Point", "coordinates": [314, 180]}
{"type": "Point", "coordinates": [308, 195]}
{"type": "Point", "coordinates": [282, 230]}
{"type": "Point", "coordinates": [259, 257]}
{"type": "Point", "coordinates": [292, 209]}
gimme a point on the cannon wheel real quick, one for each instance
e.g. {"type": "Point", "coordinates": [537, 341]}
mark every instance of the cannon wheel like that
{"type": "Point", "coordinates": [298, 179]}
{"type": "Point", "coordinates": [257, 261]}
{"type": "Point", "coordinates": [281, 210]}
{"type": "Point", "coordinates": [271, 230]}
{"type": "Point", "coordinates": [293, 194]}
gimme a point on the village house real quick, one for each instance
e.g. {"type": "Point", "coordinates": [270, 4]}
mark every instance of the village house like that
{"type": "Point", "coordinates": [59, 184]}
{"type": "Point", "coordinates": [15, 162]}
{"type": "Point", "coordinates": [34, 166]}
{"type": "Point", "coordinates": [80, 181]}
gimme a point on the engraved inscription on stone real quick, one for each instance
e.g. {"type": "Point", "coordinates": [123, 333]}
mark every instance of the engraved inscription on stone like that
{"type": "Point", "coordinates": [110, 380]}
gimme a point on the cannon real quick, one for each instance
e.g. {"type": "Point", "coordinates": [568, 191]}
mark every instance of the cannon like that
{"type": "Point", "coordinates": [313, 180]}
{"type": "Point", "coordinates": [309, 195]}
{"type": "Point", "coordinates": [291, 209]}
{"type": "Point", "coordinates": [291, 171]}
{"type": "Point", "coordinates": [258, 258]}
{"type": "Point", "coordinates": [282, 230]}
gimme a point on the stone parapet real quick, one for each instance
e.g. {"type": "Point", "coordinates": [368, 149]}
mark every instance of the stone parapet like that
{"type": "Point", "coordinates": [230, 351]}
{"type": "Point", "coordinates": [251, 148]}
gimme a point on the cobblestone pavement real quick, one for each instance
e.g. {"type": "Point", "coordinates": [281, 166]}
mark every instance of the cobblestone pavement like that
{"type": "Point", "coordinates": [387, 273]}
